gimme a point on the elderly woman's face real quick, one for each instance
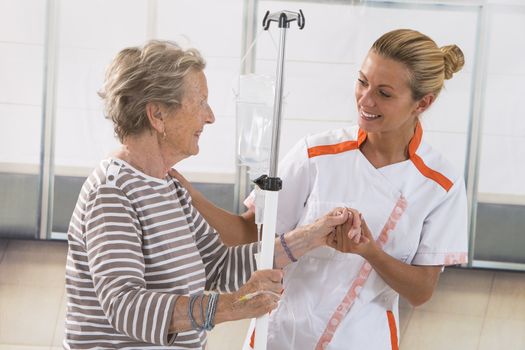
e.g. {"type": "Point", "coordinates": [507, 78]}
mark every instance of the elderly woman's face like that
{"type": "Point", "coordinates": [185, 125]}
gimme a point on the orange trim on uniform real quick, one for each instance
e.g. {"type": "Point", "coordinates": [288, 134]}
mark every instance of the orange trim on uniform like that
{"type": "Point", "coordinates": [361, 137]}
{"type": "Point", "coordinates": [332, 149]}
{"type": "Point", "coordinates": [441, 179]}
{"type": "Point", "coordinates": [252, 340]}
{"type": "Point", "coordinates": [413, 145]}
{"type": "Point", "coordinates": [338, 147]}
{"type": "Point", "coordinates": [393, 330]}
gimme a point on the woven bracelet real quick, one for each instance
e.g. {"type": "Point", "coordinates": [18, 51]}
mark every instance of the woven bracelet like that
{"type": "Point", "coordinates": [286, 249]}
{"type": "Point", "coordinates": [210, 311]}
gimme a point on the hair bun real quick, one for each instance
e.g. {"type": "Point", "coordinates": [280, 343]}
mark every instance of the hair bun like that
{"type": "Point", "coordinates": [454, 59]}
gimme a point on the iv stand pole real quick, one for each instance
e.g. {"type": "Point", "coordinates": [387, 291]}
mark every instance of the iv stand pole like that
{"type": "Point", "coordinates": [272, 184]}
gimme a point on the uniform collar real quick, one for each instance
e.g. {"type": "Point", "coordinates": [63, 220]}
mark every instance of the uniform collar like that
{"type": "Point", "coordinates": [413, 145]}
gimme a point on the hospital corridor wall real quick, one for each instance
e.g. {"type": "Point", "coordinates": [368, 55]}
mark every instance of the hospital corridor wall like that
{"type": "Point", "coordinates": [53, 54]}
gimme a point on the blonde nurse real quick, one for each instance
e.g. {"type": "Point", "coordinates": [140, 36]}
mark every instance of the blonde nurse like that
{"type": "Point", "coordinates": [411, 200]}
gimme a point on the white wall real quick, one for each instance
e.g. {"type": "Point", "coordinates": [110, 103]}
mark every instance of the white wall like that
{"type": "Point", "coordinates": [502, 162]}
{"type": "Point", "coordinates": [92, 32]}
{"type": "Point", "coordinates": [215, 28]}
{"type": "Point", "coordinates": [21, 62]}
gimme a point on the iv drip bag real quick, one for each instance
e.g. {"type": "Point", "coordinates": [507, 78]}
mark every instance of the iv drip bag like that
{"type": "Point", "coordinates": [254, 110]}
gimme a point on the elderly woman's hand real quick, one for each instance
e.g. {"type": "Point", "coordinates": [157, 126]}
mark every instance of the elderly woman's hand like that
{"type": "Point", "coordinates": [318, 232]}
{"type": "Point", "coordinates": [294, 244]}
{"type": "Point", "coordinates": [259, 295]}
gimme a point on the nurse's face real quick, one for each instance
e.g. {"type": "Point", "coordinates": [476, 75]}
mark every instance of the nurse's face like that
{"type": "Point", "coordinates": [384, 99]}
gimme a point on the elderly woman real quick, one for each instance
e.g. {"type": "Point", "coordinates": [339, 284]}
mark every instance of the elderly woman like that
{"type": "Point", "coordinates": [140, 255]}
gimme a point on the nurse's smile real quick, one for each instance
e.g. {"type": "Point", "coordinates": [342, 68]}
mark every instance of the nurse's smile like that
{"type": "Point", "coordinates": [369, 116]}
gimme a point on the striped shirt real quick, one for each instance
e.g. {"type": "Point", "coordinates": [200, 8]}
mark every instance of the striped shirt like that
{"type": "Point", "coordinates": [136, 244]}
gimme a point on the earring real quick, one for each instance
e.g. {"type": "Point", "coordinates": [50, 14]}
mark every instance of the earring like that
{"type": "Point", "coordinates": [164, 135]}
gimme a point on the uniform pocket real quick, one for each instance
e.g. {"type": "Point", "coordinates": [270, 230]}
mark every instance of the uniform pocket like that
{"type": "Point", "coordinates": [393, 330]}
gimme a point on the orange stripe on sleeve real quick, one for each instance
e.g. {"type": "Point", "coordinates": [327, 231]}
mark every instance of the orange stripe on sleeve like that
{"type": "Point", "coordinates": [393, 330]}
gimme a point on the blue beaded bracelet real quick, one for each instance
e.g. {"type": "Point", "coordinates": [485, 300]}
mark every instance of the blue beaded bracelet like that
{"type": "Point", "coordinates": [194, 323]}
{"type": "Point", "coordinates": [208, 316]}
{"type": "Point", "coordinates": [286, 249]}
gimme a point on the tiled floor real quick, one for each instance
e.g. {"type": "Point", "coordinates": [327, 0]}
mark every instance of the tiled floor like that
{"type": "Point", "coordinates": [470, 310]}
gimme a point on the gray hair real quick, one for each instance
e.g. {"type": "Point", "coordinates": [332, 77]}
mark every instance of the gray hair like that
{"type": "Point", "coordinates": [138, 75]}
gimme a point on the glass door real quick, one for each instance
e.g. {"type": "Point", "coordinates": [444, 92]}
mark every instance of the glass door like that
{"type": "Point", "coordinates": [499, 235]}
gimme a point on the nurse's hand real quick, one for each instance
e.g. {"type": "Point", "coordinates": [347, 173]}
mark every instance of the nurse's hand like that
{"type": "Point", "coordinates": [185, 183]}
{"type": "Point", "coordinates": [318, 233]}
{"type": "Point", "coordinates": [347, 241]}
{"type": "Point", "coordinates": [351, 227]}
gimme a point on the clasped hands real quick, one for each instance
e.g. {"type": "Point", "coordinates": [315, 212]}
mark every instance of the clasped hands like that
{"type": "Point", "coordinates": [345, 230]}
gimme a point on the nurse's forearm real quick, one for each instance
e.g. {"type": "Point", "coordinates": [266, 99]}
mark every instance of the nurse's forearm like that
{"type": "Point", "coordinates": [233, 229]}
{"type": "Point", "coordinates": [414, 283]}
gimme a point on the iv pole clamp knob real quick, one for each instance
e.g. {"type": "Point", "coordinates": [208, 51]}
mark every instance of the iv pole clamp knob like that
{"type": "Point", "coordinates": [283, 18]}
{"type": "Point", "coordinates": [269, 183]}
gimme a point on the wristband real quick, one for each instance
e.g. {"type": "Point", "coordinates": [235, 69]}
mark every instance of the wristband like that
{"type": "Point", "coordinates": [287, 249]}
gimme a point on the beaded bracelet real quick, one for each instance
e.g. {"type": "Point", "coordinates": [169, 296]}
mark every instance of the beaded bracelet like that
{"type": "Point", "coordinates": [208, 317]}
{"type": "Point", "coordinates": [203, 317]}
{"type": "Point", "coordinates": [287, 249]}
{"type": "Point", "coordinates": [191, 304]}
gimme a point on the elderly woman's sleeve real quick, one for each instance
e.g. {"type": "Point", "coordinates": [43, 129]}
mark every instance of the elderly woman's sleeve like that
{"type": "Point", "coordinates": [227, 268]}
{"type": "Point", "coordinates": [116, 264]}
